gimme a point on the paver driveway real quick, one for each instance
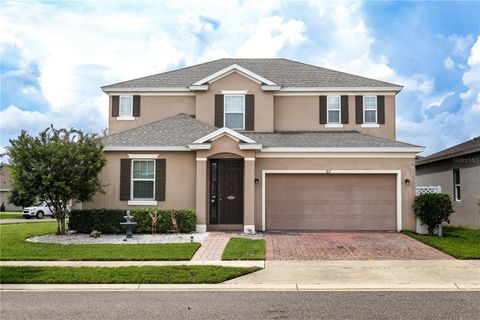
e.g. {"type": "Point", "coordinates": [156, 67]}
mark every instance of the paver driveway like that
{"type": "Point", "coordinates": [348, 246]}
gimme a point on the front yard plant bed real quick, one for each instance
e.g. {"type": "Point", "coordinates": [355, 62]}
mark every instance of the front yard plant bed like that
{"type": "Point", "coordinates": [146, 274]}
{"type": "Point", "coordinates": [14, 247]}
{"type": "Point", "coordinates": [244, 249]}
{"type": "Point", "coordinates": [461, 243]}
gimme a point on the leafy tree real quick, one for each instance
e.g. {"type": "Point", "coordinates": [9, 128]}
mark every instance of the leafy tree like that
{"type": "Point", "coordinates": [433, 209]}
{"type": "Point", "coordinates": [21, 199]}
{"type": "Point", "coordinates": [57, 166]}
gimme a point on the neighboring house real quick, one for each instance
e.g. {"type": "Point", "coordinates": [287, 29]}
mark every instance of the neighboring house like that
{"type": "Point", "coordinates": [457, 171]}
{"type": "Point", "coordinates": [5, 189]}
{"type": "Point", "coordinates": [260, 144]}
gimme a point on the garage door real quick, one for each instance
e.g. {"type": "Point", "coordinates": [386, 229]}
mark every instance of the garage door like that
{"type": "Point", "coordinates": [330, 202]}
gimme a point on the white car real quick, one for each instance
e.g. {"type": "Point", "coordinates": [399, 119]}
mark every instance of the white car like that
{"type": "Point", "coordinates": [38, 210]}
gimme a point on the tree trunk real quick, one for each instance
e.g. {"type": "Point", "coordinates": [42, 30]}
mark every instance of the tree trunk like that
{"type": "Point", "coordinates": [60, 225]}
{"type": "Point", "coordinates": [430, 230]}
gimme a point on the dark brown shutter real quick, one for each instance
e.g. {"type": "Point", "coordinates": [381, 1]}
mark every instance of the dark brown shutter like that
{"type": "Point", "coordinates": [219, 110]}
{"type": "Point", "coordinates": [115, 106]}
{"type": "Point", "coordinates": [358, 109]}
{"type": "Point", "coordinates": [323, 109]}
{"type": "Point", "coordinates": [344, 106]}
{"type": "Point", "coordinates": [381, 109]}
{"type": "Point", "coordinates": [249, 112]}
{"type": "Point", "coordinates": [160, 173]}
{"type": "Point", "coordinates": [125, 178]}
{"type": "Point", "coordinates": [136, 106]}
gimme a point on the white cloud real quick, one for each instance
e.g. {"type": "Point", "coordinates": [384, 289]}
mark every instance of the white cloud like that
{"type": "Point", "coordinates": [448, 63]}
{"type": "Point", "coordinates": [461, 44]}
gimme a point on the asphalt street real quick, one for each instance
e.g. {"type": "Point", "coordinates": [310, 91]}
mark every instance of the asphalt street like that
{"type": "Point", "coordinates": [239, 305]}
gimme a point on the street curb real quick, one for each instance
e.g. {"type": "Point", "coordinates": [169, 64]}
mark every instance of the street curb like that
{"type": "Point", "coordinates": [245, 287]}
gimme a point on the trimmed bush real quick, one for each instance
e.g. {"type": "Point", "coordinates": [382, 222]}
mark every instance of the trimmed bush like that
{"type": "Point", "coordinates": [108, 221]}
{"type": "Point", "coordinates": [433, 209]}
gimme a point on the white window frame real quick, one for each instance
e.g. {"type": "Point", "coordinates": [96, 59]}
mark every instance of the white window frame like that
{"type": "Point", "coordinates": [339, 123]}
{"type": "Point", "coordinates": [376, 111]}
{"type": "Point", "coordinates": [126, 116]}
{"type": "Point", "coordinates": [456, 185]}
{"type": "Point", "coordinates": [225, 110]}
{"type": "Point", "coordinates": [139, 179]}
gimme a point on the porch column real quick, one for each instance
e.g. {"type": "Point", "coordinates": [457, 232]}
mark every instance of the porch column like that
{"type": "Point", "coordinates": [249, 196]}
{"type": "Point", "coordinates": [201, 195]}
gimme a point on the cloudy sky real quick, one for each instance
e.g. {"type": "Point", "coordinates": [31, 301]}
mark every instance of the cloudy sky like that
{"type": "Point", "coordinates": [56, 55]}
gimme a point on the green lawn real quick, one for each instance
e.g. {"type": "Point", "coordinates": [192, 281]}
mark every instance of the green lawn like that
{"type": "Point", "coordinates": [244, 249]}
{"type": "Point", "coordinates": [10, 215]}
{"type": "Point", "coordinates": [14, 247]}
{"type": "Point", "coordinates": [146, 274]}
{"type": "Point", "coordinates": [461, 243]}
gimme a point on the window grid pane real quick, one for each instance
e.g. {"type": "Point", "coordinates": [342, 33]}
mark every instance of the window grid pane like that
{"type": "Point", "coordinates": [143, 189]}
{"type": "Point", "coordinates": [125, 106]}
{"type": "Point", "coordinates": [370, 116]}
{"type": "Point", "coordinates": [333, 103]}
{"type": "Point", "coordinates": [333, 116]}
{"type": "Point", "coordinates": [234, 120]}
{"type": "Point", "coordinates": [370, 103]}
{"type": "Point", "coordinates": [143, 170]}
{"type": "Point", "coordinates": [234, 104]}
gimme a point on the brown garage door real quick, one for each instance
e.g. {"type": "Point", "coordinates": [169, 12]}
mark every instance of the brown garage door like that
{"type": "Point", "coordinates": [330, 202]}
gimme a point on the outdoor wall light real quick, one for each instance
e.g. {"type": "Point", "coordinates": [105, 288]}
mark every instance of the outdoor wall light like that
{"type": "Point", "coordinates": [407, 181]}
{"type": "Point", "coordinates": [256, 180]}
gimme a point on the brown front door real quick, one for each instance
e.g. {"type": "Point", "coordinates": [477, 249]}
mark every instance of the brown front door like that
{"type": "Point", "coordinates": [229, 189]}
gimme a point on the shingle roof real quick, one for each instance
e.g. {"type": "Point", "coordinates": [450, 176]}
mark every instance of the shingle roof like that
{"type": "Point", "coordinates": [463, 148]}
{"type": "Point", "coordinates": [324, 139]}
{"type": "Point", "coordinates": [182, 130]}
{"type": "Point", "coordinates": [179, 130]}
{"type": "Point", "coordinates": [284, 72]}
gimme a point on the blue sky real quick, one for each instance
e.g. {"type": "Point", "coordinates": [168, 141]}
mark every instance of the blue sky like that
{"type": "Point", "coordinates": [54, 56]}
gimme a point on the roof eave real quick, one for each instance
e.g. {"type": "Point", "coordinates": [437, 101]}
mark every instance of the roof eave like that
{"type": "Point", "coordinates": [428, 160]}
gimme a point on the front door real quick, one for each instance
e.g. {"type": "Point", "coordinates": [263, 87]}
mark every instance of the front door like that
{"type": "Point", "coordinates": [226, 191]}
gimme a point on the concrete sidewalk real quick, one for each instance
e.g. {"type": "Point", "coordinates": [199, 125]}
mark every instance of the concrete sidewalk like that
{"type": "Point", "coordinates": [12, 221]}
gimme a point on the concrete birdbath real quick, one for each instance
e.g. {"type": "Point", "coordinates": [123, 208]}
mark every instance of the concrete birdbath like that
{"type": "Point", "coordinates": [128, 224]}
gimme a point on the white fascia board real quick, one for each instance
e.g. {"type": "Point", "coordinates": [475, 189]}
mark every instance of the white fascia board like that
{"type": "Point", "coordinates": [250, 146]}
{"type": "Point", "coordinates": [205, 146]}
{"type": "Point", "coordinates": [145, 148]}
{"type": "Point", "coordinates": [340, 89]}
{"type": "Point", "coordinates": [147, 89]}
{"type": "Point", "coordinates": [230, 68]}
{"type": "Point", "coordinates": [223, 131]}
{"type": "Point", "coordinates": [329, 150]}
{"type": "Point", "coordinates": [270, 88]}
{"type": "Point", "coordinates": [198, 88]}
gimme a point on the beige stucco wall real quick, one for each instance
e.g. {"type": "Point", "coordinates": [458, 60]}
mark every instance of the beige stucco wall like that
{"type": "Point", "coordinates": [205, 101]}
{"type": "Point", "coordinates": [406, 166]}
{"type": "Point", "coordinates": [180, 181]}
{"type": "Point", "coordinates": [302, 113]}
{"type": "Point", "coordinates": [152, 108]}
{"type": "Point", "coordinates": [467, 211]}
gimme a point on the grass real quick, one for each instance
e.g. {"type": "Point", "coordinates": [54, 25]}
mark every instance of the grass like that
{"type": "Point", "coordinates": [14, 247]}
{"type": "Point", "coordinates": [10, 215]}
{"type": "Point", "coordinates": [461, 243]}
{"type": "Point", "coordinates": [244, 249]}
{"type": "Point", "coordinates": [146, 274]}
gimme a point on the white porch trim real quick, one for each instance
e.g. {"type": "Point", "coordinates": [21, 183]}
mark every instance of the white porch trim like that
{"type": "Point", "coordinates": [398, 173]}
{"type": "Point", "coordinates": [230, 68]}
{"type": "Point", "coordinates": [223, 131]}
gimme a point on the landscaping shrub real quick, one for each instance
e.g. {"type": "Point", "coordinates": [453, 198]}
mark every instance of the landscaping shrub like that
{"type": "Point", "coordinates": [108, 220]}
{"type": "Point", "coordinates": [433, 209]}
{"type": "Point", "coordinates": [2, 207]}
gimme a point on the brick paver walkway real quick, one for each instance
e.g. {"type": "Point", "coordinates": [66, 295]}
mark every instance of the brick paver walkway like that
{"type": "Point", "coordinates": [348, 246]}
{"type": "Point", "coordinates": [213, 246]}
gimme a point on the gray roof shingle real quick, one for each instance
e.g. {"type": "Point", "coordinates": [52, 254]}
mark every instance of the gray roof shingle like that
{"type": "Point", "coordinates": [284, 72]}
{"type": "Point", "coordinates": [182, 130]}
{"type": "Point", "coordinates": [467, 147]}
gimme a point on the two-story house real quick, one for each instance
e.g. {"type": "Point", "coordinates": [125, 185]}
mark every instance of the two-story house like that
{"type": "Point", "coordinates": [260, 144]}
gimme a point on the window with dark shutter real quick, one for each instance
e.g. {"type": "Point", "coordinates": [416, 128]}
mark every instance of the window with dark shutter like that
{"type": "Point", "coordinates": [358, 109]}
{"type": "Point", "coordinates": [160, 179]}
{"type": "Point", "coordinates": [249, 112]}
{"type": "Point", "coordinates": [136, 106]}
{"type": "Point", "coordinates": [323, 109]}
{"type": "Point", "coordinates": [381, 109]}
{"type": "Point", "coordinates": [125, 176]}
{"type": "Point", "coordinates": [115, 106]}
{"type": "Point", "coordinates": [219, 110]}
{"type": "Point", "coordinates": [344, 109]}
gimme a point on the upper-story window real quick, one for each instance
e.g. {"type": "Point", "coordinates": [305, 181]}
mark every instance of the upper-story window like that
{"type": "Point", "coordinates": [369, 109]}
{"type": "Point", "coordinates": [333, 109]}
{"type": "Point", "coordinates": [234, 106]}
{"type": "Point", "coordinates": [143, 179]}
{"type": "Point", "coordinates": [126, 106]}
{"type": "Point", "coordinates": [456, 185]}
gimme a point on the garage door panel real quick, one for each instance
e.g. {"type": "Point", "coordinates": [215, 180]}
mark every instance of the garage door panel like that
{"type": "Point", "coordinates": [330, 202]}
